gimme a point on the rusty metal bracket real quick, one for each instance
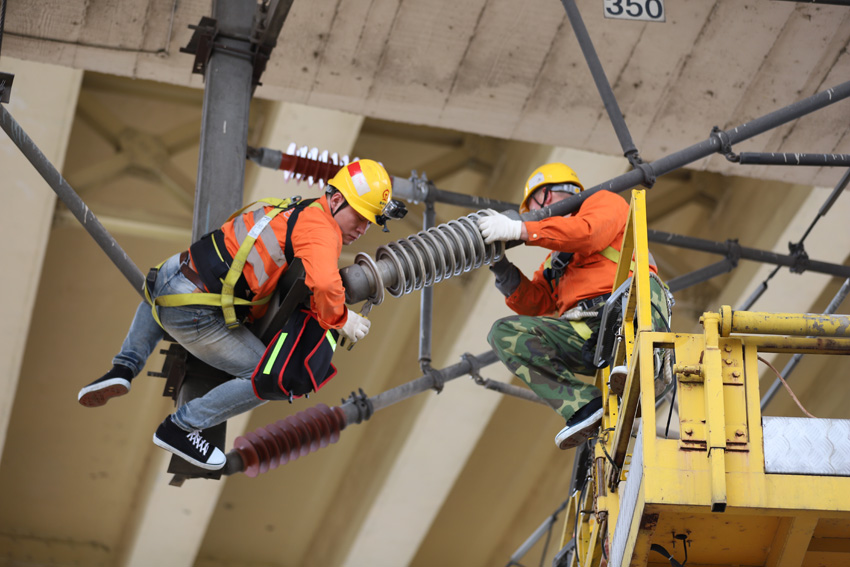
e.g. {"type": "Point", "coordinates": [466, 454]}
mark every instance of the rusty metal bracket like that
{"type": "Point", "coordinates": [201, 43]}
{"type": "Point", "coordinates": [801, 258]}
{"type": "Point", "coordinates": [6, 86]}
{"type": "Point", "coordinates": [362, 405]}
{"type": "Point", "coordinates": [689, 373]}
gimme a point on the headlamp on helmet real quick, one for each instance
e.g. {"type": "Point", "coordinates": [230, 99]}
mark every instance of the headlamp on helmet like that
{"type": "Point", "coordinates": [393, 210]}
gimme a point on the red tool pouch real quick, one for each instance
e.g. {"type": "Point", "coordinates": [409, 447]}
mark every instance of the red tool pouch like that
{"type": "Point", "coordinates": [297, 361]}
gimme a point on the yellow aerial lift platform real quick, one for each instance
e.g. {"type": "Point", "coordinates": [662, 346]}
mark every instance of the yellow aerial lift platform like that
{"type": "Point", "coordinates": [734, 488]}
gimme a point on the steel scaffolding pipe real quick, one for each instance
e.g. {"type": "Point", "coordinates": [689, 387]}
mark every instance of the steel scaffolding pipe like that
{"type": "Point", "coordinates": [733, 251]}
{"type": "Point", "coordinates": [68, 196]}
{"type": "Point", "coordinates": [426, 302]}
{"type": "Point", "coordinates": [817, 160]}
{"type": "Point", "coordinates": [718, 141]}
{"type": "Point", "coordinates": [602, 84]}
{"type": "Point", "coordinates": [827, 205]}
{"type": "Point", "coordinates": [401, 272]}
{"type": "Point", "coordinates": [313, 166]}
{"type": "Point", "coordinates": [317, 427]}
{"type": "Point", "coordinates": [224, 127]}
{"type": "Point", "coordinates": [792, 364]}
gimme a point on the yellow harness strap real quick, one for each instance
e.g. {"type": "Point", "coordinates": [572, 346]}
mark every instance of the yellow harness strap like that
{"type": "Point", "coordinates": [225, 299]}
{"type": "Point", "coordinates": [581, 328]}
{"type": "Point", "coordinates": [614, 255]}
{"type": "Point", "coordinates": [611, 253]}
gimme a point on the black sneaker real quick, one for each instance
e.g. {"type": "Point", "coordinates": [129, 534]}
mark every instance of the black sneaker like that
{"type": "Point", "coordinates": [189, 445]}
{"type": "Point", "coordinates": [581, 425]}
{"type": "Point", "coordinates": [114, 383]}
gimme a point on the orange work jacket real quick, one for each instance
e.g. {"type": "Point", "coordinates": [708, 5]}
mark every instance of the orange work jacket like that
{"type": "Point", "coordinates": [599, 223]}
{"type": "Point", "coordinates": [316, 239]}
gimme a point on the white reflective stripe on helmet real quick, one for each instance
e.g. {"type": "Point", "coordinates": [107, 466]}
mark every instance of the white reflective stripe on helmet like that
{"type": "Point", "coordinates": [361, 185]}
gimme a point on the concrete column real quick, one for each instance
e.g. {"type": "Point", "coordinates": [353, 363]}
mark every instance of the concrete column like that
{"type": "Point", "coordinates": [43, 101]}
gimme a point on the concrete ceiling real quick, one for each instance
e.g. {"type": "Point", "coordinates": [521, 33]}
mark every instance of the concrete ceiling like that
{"type": "Point", "coordinates": [496, 68]}
{"type": "Point", "coordinates": [475, 94]}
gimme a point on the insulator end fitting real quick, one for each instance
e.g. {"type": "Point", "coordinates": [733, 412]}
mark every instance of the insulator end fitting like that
{"type": "Point", "coordinates": [287, 439]}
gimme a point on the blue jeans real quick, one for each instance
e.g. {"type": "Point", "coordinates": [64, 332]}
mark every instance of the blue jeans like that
{"type": "Point", "coordinates": [202, 332]}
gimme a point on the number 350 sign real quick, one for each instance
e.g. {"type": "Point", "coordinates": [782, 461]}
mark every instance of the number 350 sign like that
{"type": "Point", "coordinates": [648, 10]}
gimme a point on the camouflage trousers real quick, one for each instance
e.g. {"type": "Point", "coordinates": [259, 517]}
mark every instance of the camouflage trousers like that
{"type": "Point", "coordinates": [546, 353]}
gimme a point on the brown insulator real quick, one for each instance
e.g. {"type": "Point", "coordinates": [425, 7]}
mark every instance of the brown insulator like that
{"type": "Point", "coordinates": [307, 167]}
{"type": "Point", "coordinates": [287, 439]}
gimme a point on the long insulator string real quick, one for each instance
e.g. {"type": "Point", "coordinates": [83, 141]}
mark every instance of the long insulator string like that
{"type": "Point", "coordinates": [287, 439]}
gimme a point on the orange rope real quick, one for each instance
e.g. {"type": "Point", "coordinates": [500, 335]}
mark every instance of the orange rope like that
{"type": "Point", "coordinates": [787, 387]}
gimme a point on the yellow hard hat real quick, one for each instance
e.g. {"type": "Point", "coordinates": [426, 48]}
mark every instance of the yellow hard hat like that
{"type": "Point", "coordinates": [366, 186]}
{"type": "Point", "coordinates": [558, 175]}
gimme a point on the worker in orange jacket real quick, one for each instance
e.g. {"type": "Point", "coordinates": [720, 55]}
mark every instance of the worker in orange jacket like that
{"type": "Point", "coordinates": [201, 296]}
{"type": "Point", "coordinates": [559, 309]}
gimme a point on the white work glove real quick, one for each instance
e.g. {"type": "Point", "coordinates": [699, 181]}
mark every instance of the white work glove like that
{"type": "Point", "coordinates": [499, 227]}
{"type": "Point", "coordinates": [356, 327]}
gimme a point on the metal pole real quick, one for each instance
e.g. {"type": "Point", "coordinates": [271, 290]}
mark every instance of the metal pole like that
{"type": "Point", "coordinates": [701, 275]}
{"type": "Point", "coordinates": [792, 364]}
{"type": "Point", "coordinates": [426, 306]}
{"type": "Point", "coordinates": [428, 381]}
{"type": "Point", "coordinates": [354, 275]}
{"type": "Point", "coordinates": [818, 160]}
{"type": "Point", "coordinates": [716, 142]}
{"type": "Point", "coordinates": [470, 201]}
{"type": "Point", "coordinates": [830, 201]}
{"type": "Point", "coordinates": [416, 190]}
{"type": "Point", "coordinates": [538, 533]}
{"type": "Point", "coordinates": [221, 163]}
{"type": "Point", "coordinates": [68, 196]}
{"type": "Point", "coordinates": [732, 248]}
{"type": "Point", "coordinates": [511, 390]}
{"type": "Point", "coordinates": [602, 84]}
{"type": "Point", "coordinates": [224, 129]}
{"type": "Point", "coordinates": [759, 291]}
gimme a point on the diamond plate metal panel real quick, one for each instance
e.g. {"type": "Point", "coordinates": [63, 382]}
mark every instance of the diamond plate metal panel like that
{"type": "Point", "coordinates": [798, 445]}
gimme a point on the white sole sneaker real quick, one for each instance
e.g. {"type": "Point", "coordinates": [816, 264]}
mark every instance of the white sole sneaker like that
{"type": "Point", "coordinates": [192, 441]}
{"type": "Point", "coordinates": [617, 379]}
{"type": "Point", "coordinates": [577, 433]}
{"type": "Point", "coordinates": [98, 393]}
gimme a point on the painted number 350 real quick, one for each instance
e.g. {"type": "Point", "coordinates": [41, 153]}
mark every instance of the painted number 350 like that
{"type": "Point", "coordinates": [651, 10]}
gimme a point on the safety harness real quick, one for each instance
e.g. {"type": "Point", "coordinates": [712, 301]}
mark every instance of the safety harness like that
{"type": "Point", "coordinates": [212, 261]}
{"type": "Point", "coordinates": [555, 266]}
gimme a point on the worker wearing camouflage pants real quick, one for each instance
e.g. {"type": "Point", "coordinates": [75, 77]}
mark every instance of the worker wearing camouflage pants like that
{"type": "Point", "coordinates": [538, 344]}
{"type": "Point", "coordinates": [546, 353]}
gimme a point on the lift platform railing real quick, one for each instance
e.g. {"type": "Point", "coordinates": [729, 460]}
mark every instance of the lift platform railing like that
{"type": "Point", "coordinates": [715, 470]}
